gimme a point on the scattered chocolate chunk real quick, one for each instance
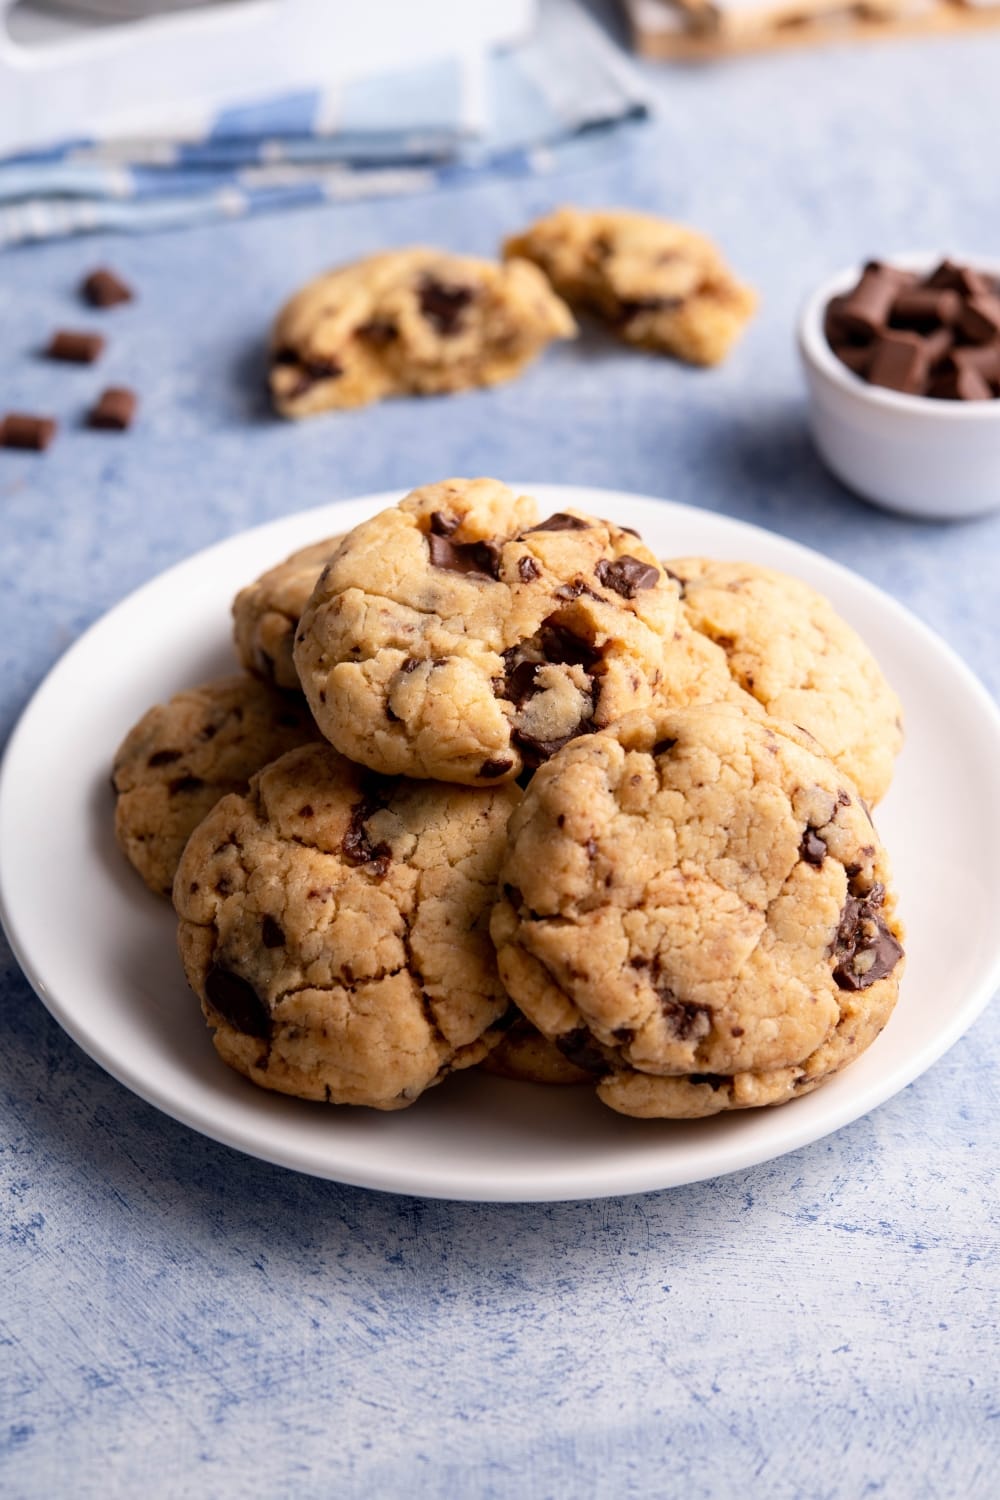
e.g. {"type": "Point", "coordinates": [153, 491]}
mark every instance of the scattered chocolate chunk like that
{"type": "Point", "coordinates": [626, 576]}
{"type": "Point", "coordinates": [812, 848]}
{"type": "Point", "coordinates": [237, 1002]}
{"type": "Point", "coordinates": [443, 305]}
{"type": "Point", "coordinates": [21, 430]}
{"type": "Point", "coordinates": [579, 1047]}
{"type": "Point", "coordinates": [528, 570]}
{"type": "Point", "coordinates": [482, 559]}
{"type": "Point", "coordinates": [864, 948]}
{"type": "Point", "coordinates": [272, 934]}
{"type": "Point", "coordinates": [561, 521]}
{"type": "Point", "coordinates": [104, 288]}
{"type": "Point", "coordinates": [115, 411]}
{"type": "Point", "coordinates": [77, 347]}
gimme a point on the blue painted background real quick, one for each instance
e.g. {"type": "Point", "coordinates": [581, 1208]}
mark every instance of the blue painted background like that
{"type": "Point", "coordinates": [177, 1320]}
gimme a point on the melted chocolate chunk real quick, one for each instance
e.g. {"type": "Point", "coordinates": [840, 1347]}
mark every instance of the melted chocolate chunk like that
{"type": "Point", "coordinates": [687, 1019]}
{"type": "Point", "coordinates": [519, 682]}
{"type": "Point", "coordinates": [574, 590]}
{"type": "Point", "coordinates": [626, 576]}
{"type": "Point", "coordinates": [493, 768]}
{"type": "Point", "coordinates": [163, 757]}
{"type": "Point", "coordinates": [528, 569]}
{"type": "Point", "coordinates": [356, 845]}
{"type": "Point", "coordinates": [237, 1002]}
{"type": "Point", "coordinates": [537, 751]}
{"type": "Point", "coordinates": [442, 525]}
{"type": "Point", "coordinates": [272, 934]}
{"type": "Point", "coordinates": [561, 521]}
{"type": "Point", "coordinates": [443, 305]}
{"type": "Point", "coordinates": [579, 1048]}
{"type": "Point", "coordinates": [812, 848]}
{"type": "Point", "coordinates": [864, 948]}
{"type": "Point", "coordinates": [480, 559]}
{"type": "Point", "coordinates": [182, 784]}
{"type": "Point", "coordinates": [562, 646]}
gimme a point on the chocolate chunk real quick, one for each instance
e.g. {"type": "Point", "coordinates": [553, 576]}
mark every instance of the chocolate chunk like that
{"type": "Point", "coordinates": [519, 681]}
{"type": "Point", "coordinates": [491, 769]}
{"type": "Point", "coordinates": [923, 309]}
{"type": "Point", "coordinates": [983, 358]}
{"type": "Point", "coordinates": [630, 308]}
{"type": "Point", "coordinates": [443, 305]}
{"type": "Point", "coordinates": [272, 934]}
{"type": "Point", "coordinates": [980, 319]}
{"type": "Point", "coordinates": [626, 576]}
{"type": "Point", "coordinates": [960, 384]}
{"type": "Point", "coordinates": [714, 1080]}
{"type": "Point", "coordinates": [310, 370]}
{"type": "Point", "coordinates": [183, 784]}
{"type": "Point", "coordinates": [680, 582]}
{"type": "Point", "coordinates": [528, 570]}
{"type": "Point", "coordinates": [899, 362]}
{"type": "Point", "coordinates": [237, 1002]}
{"type": "Point", "coordinates": [563, 646]}
{"type": "Point", "coordinates": [576, 590]}
{"type": "Point", "coordinates": [686, 1018]}
{"type": "Point", "coordinates": [864, 311]}
{"type": "Point", "coordinates": [864, 948]}
{"type": "Point", "coordinates": [662, 746]}
{"type": "Point", "coordinates": [379, 331]}
{"type": "Point", "coordinates": [561, 521]}
{"type": "Point", "coordinates": [20, 430]}
{"type": "Point", "coordinates": [115, 411]}
{"type": "Point", "coordinates": [78, 348]}
{"type": "Point", "coordinates": [856, 357]}
{"type": "Point", "coordinates": [537, 751]}
{"type": "Point", "coordinates": [579, 1048]}
{"type": "Point", "coordinates": [480, 559]}
{"type": "Point", "coordinates": [103, 288]}
{"type": "Point", "coordinates": [163, 757]}
{"type": "Point", "coordinates": [954, 278]}
{"type": "Point", "coordinates": [812, 848]}
{"type": "Point", "coordinates": [356, 845]}
{"type": "Point", "coordinates": [442, 525]}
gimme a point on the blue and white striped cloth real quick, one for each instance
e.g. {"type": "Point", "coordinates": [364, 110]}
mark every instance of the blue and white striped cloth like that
{"type": "Point", "coordinates": [557, 95]}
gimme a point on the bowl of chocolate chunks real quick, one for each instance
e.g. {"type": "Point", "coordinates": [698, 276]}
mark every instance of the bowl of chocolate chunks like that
{"type": "Point", "coordinates": [902, 365]}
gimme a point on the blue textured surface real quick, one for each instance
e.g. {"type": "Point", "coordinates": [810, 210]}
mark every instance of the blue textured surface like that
{"type": "Point", "coordinates": [178, 1320]}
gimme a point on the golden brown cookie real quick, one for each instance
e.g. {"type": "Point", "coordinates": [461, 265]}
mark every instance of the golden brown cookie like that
{"type": "Point", "coordinates": [266, 613]}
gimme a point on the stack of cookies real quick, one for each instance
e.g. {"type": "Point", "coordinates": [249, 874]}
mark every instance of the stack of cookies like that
{"type": "Point", "coordinates": [507, 791]}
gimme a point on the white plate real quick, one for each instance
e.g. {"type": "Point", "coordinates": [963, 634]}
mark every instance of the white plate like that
{"type": "Point", "coordinates": [99, 949]}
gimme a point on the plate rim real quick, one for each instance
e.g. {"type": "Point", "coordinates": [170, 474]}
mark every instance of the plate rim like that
{"type": "Point", "coordinates": [389, 1180]}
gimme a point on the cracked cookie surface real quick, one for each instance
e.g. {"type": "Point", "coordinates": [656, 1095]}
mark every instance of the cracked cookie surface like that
{"type": "Point", "coordinates": [456, 637]}
{"type": "Point", "coordinates": [787, 647]}
{"type": "Point", "coordinates": [182, 756]}
{"type": "Point", "coordinates": [266, 613]}
{"type": "Point", "coordinates": [656, 284]}
{"type": "Point", "coordinates": [334, 925]}
{"type": "Point", "coordinates": [414, 321]}
{"type": "Point", "coordinates": [696, 907]}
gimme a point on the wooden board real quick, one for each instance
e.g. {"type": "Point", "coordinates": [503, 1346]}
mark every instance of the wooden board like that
{"type": "Point", "coordinates": [700, 45]}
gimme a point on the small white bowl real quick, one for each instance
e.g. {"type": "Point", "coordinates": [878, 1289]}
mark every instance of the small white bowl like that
{"type": "Point", "coordinates": [916, 454]}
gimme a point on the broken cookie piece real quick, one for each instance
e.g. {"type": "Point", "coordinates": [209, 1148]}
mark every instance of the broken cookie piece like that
{"type": "Point", "coordinates": [656, 284]}
{"type": "Point", "coordinates": [410, 322]}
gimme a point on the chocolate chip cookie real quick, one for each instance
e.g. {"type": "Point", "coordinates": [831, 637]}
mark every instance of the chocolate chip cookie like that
{"type": "Point", "coordinates": [697, 908]}
{"type": "Point", "coordinates": [525, 1056]}
{"type": "Point", "coordinates": [266, 613]}
{"type": "Point", "coordinates": [334, 925]}
{"type": "Point", "coordinates": [182, 756]}
{"type": "Point", "coordinates": [655, 284]}
{"type": "Point", "coordinates": [454, 636]}
{"type": "Point", "coordinates": [410, 322]}
{"type": "Point", "coordinates": [787, 647]}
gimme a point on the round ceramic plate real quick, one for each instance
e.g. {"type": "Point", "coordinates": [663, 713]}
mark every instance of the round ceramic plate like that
{"type": "Point", "coordinates": [99, 949]}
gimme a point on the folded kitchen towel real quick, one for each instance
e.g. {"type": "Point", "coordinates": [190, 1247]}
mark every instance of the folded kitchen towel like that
{"type": "Point", "coordinates": [517, 111]}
